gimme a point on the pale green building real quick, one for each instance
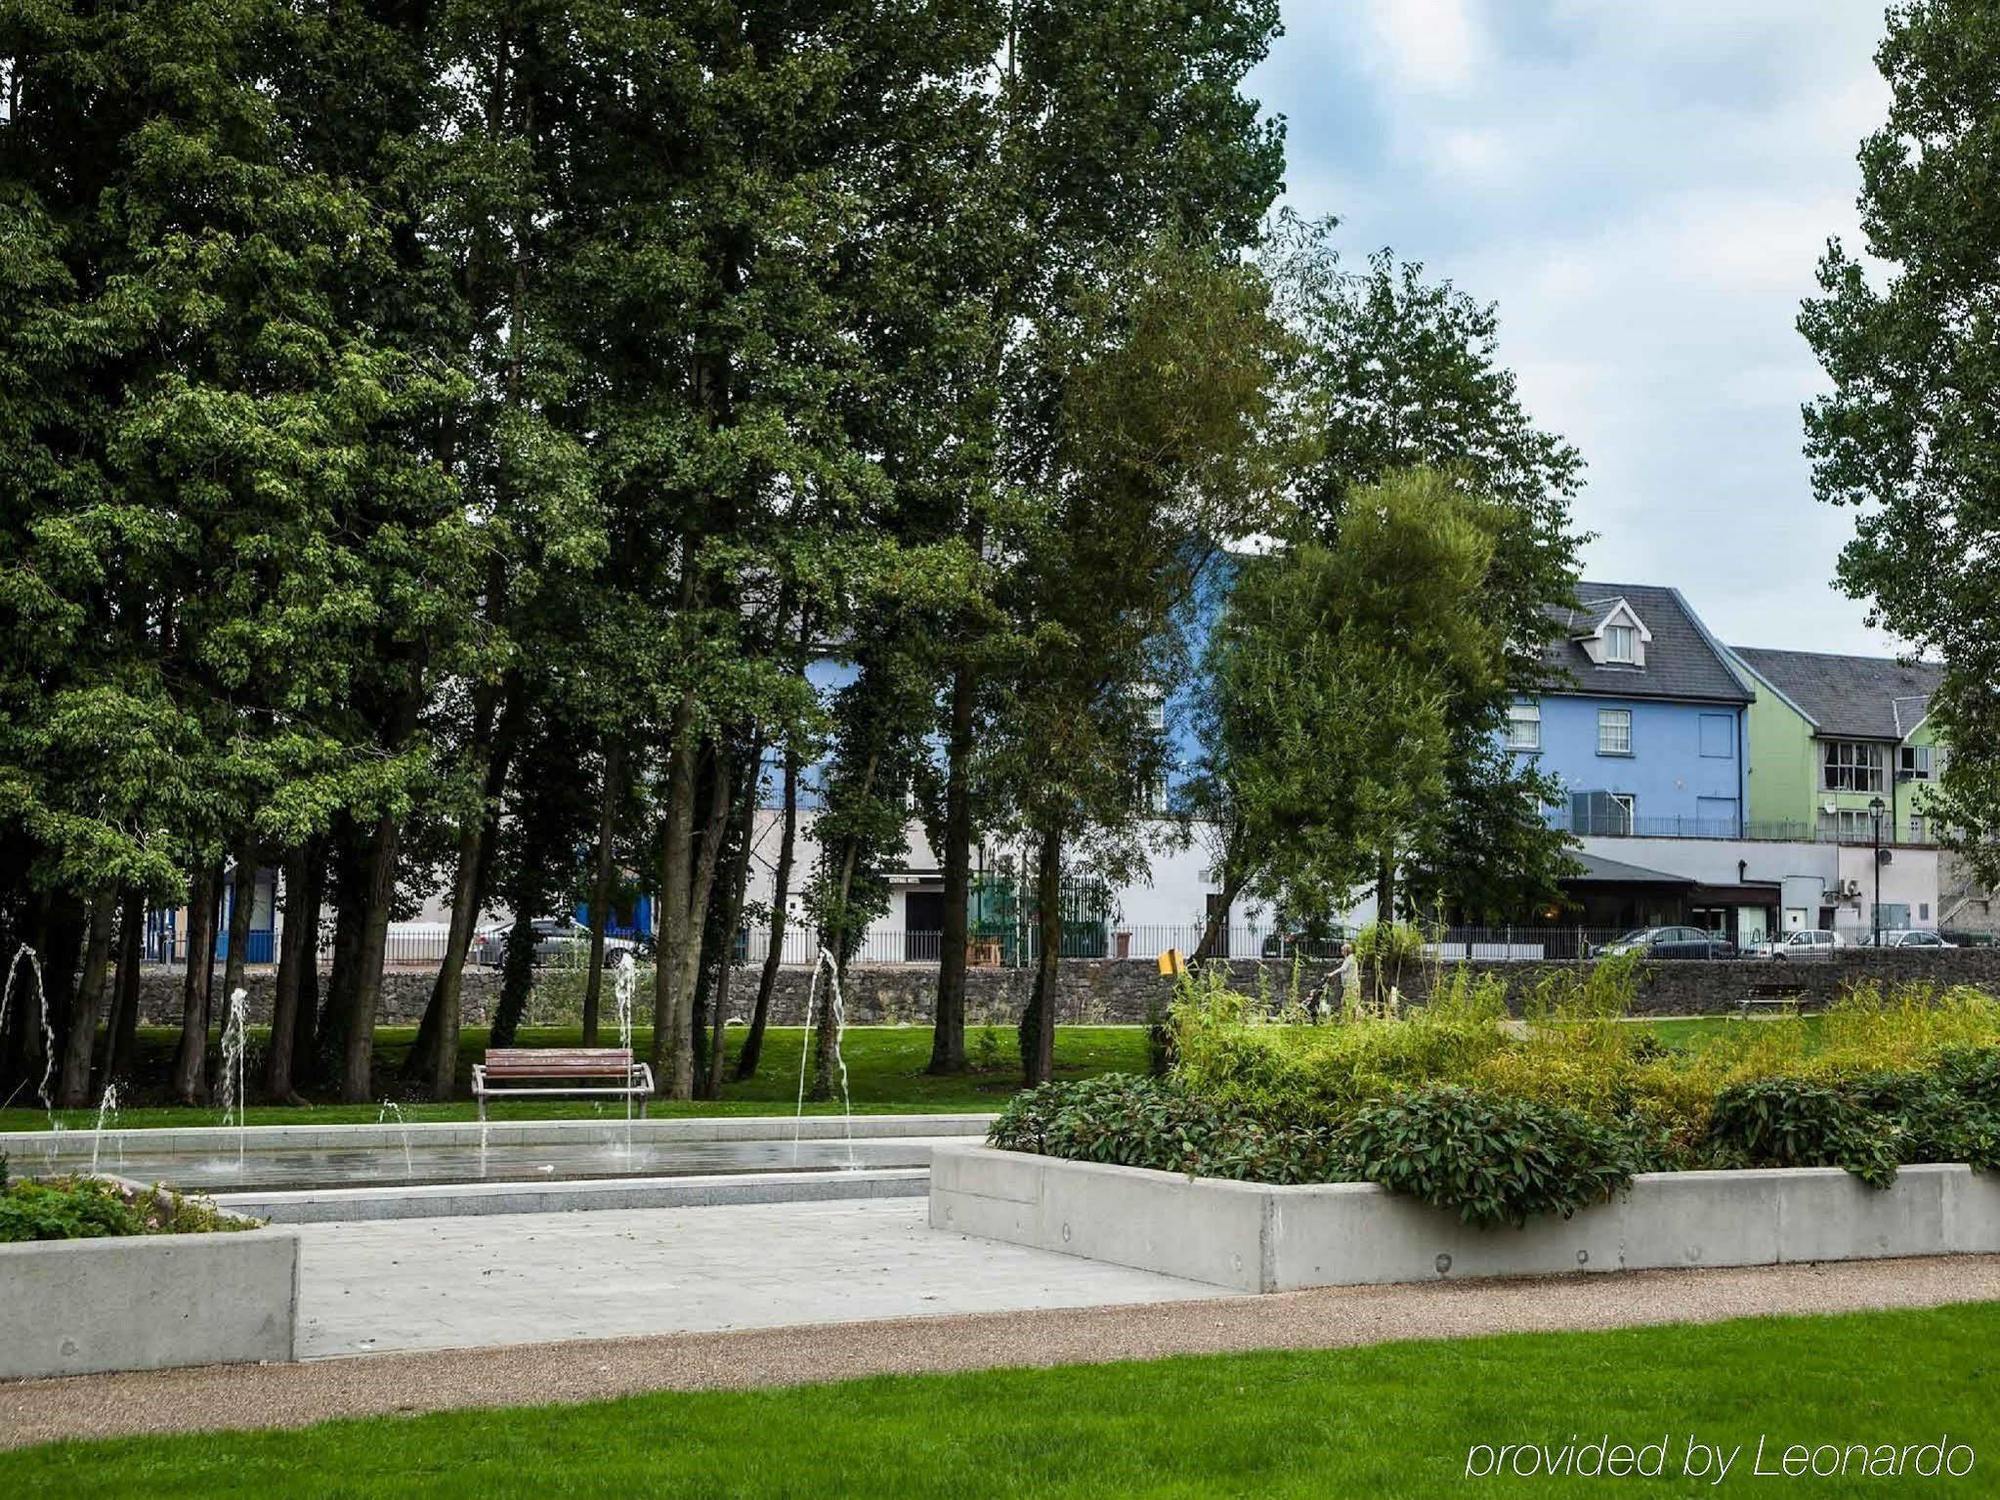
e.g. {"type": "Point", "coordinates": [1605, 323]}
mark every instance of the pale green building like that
{"type": "Point", "coordinates": [1830, 735]}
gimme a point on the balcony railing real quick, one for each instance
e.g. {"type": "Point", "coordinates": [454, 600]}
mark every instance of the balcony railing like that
{"type": "Point", "coordinates": [1616, 826]}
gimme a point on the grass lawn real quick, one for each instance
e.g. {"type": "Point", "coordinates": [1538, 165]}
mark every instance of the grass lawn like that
{"type": "Point", "coordinates": [885, 1069]}
{"type": "Point", "coordinates": [1393, 1420]}
{"type": "Point", "coordinates": [885, 1066]}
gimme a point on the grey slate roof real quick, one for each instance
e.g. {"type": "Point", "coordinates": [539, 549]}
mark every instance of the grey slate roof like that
{"type": "Point", "coordinates": [1858, 697]}
{"type": "Point", "coordinates": [1682, 659]}
{"type": "Point", "coordinates": [1597, 868]}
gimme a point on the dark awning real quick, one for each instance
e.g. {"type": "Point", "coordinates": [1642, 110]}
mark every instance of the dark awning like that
{"type": "Point", "coordinates": [1600, 871]}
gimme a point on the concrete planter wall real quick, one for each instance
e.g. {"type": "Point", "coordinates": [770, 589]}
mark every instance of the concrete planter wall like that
{"type": "Point", "coordinates": [70, 1307]}
{"type": "Point", "coordinates": [1256, 1238]}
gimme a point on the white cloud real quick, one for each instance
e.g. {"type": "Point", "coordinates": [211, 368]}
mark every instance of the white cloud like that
{"type": "Point", "coordinates": [1429, 43]}
{"type": "Point", "coordinates": [1645, 191]}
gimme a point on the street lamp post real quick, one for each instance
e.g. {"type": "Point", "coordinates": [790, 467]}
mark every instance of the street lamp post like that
{"type": "Point", "coordinates": [1875, 813]}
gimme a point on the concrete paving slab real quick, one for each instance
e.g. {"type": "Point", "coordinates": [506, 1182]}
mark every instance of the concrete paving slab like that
{"type": "Point", "coordinates": [531, 1278]}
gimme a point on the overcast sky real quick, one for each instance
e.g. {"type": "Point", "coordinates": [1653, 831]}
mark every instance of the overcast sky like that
{"type": "Point", "coordinates": [1644, 189]}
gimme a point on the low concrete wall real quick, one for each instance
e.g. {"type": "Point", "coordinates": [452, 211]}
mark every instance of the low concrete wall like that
{"type": "Point", "coordinates": [1125, 991]}
{"type": "Point", "coordinates": [1258, 1238]}
{"type": "Point", "coordinates": [72, 1307]}
{"type": "Point", "coordinates": [454, 1199]}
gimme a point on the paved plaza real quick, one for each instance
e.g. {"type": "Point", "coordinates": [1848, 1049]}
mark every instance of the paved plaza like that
{"type": "Point", "coordinates": [403, 1284]}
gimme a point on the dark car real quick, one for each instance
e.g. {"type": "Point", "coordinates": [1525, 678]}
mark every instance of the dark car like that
{"type": "Point", "coordinates": [1670, 942]}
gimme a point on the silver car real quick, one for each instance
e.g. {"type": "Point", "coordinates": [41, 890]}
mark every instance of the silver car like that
{"type": "Point", "coordinates": [1904, 937]}
{"type": "Point", "coordinates": [557, 941]}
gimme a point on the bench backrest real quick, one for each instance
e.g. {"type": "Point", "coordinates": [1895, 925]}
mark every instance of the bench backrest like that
{"type": "Point", "coordinates": [558, 1062]}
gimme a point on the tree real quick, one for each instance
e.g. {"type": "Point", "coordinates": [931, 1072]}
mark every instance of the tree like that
{"type": "Point", "coordinates": [1909, 435]}
{"type": "Point", "coordinates": [1392, 372]}
{"type": "Point", "coordinates": [1333, 676]}
{"type": "Point", "coordinates": [1112, 123]}
{"type": "Point", "coordinates": [1148, 406]}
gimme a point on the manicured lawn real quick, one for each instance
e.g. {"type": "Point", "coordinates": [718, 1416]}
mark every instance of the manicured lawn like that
{"type": "Point", "coordinates": [1394, 1420]}
{"type": "Point", "coordinates": [885, 1067]}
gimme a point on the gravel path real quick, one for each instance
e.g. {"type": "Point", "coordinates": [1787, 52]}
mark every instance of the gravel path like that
{"type": "Point", "coordinates": [249, 1396]}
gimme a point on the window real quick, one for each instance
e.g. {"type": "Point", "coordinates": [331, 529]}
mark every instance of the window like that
{"type": "Point", "coordinates": [1852, 766]}
{"type": "Point", "coordinates": [1157, 795]}
{"type": "Point", "coordinates": [1919, 828]}
{"type": "Point", "coordinates": [1854, 825]}
{"type": "Point", "coordinates": [1524, 726]}
{"type": "Point", "coordinates": [1913, 762]}
{"type": "Point", "coordinates": [1614, 731]}
{"type": "Point", "coordinates": [1628, 806]}
{"type": "Point", "coordinates": [1621, 644]}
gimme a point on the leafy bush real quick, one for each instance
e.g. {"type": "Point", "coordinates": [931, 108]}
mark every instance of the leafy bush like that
{"type": "Point", "coordinates": [66, 1209]}
{"type": "Point", "coordinates": [85, 1208]}
{"type": "Point", "coordinates": [1494, 1160]}
{"type": "Point", "coordinates": [1124, 1120]}
{"type": "Point", "coordinates": [1795, 1122]}
{"type": "Point", "coordinates": [1456, 1105]}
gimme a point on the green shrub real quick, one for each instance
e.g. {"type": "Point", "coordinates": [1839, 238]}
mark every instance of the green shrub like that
{"type": "Point", "coordinates": [1797, 1122]}
{"type": "Point", "coordinates": [1493, 1160]}
{"type": "Point", "coordinates": [84, 1208]}
{"type": "Point", "coordinates": [1129, 1121]}
{"type": "Point", "coordinates": [88, 1208]}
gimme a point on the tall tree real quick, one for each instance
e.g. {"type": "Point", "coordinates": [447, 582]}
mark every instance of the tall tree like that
{"type": "Point", "coordinates": [1909, 436]}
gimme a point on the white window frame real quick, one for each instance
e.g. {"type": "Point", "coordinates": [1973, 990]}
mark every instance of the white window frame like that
{"type": "Point", "coordinates": [1621, 645]}
{"type": "Point", "coordinates": [1614, 719]}
{"type": "Point", "coordinates": [1524, 726]}
{"type": "Point", "coordinates": [1852, 766]}
{"type": "Point", "coordinates": [1629, 803]}
{"type": "Point", "coordinates": [1915, 763]}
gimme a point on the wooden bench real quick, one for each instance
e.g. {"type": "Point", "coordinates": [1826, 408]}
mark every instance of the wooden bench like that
{"type": "Point", "coordinates": [1769, 997]}
{"type": "Point", "coordinates": [558, 1071]}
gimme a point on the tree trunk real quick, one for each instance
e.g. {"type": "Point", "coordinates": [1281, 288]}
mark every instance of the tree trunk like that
{"type": "Point", "coordinates": [672, 1062]}
{"type": "Point", "coordinates": [1233, 881]}
{"type": "Point", "coordinates": [121, 1036]}
{"type": "Point", "coordinates": [432, 1053]}
{"type": "Point", "coordinates": [517, 979]}
{"type": "Point", "coordinates": [305, 1037]}
{"type": "Point", "coordinates": [242, 909]}
{"type": "Point", "coordinates": [331, 1032]}
{"type": "Point", "coordinates": [190, 1076]}
{"type": "Point", "coordinates": [825, 1038]}
{"type": "Point", "coordinates": [734, 886]}
{"type": "Point", "coordinates": [948, 1030]}
{"type": "Point", "coordinates": [601, 875]}
{"type": "Point", "coordinates": [295, 953]}
{"type": "Point", "coordinates": [1038, 1024]}
{"type": "Point", "coordinates": [74, 1088]}
{"type": "Point", "coordinates": [1385, 888]}
{"type": "Point", "coordinates": [357, 1083]}
{"type": "Point", "coordinates": [781, 889]}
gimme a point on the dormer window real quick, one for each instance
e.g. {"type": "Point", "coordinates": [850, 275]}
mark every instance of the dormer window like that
{"type": "Point", "coordinates": [1617, 637]}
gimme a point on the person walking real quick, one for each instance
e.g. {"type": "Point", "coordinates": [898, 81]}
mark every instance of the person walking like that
{"type": "Point", "coordinates": [1347, 978]}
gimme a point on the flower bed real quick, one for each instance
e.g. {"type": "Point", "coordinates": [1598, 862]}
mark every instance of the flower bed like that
{"type": "Point", "coordinates": [1503, 1123]}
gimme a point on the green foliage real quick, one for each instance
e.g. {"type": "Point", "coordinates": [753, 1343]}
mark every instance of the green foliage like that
{"type": "Point", "coordinates": [1156, 1123]}
{"type": "Point", "coordinates": [1909, 433]}
{"type": "Point", "coordinates": [1790, 1122]}
{"type": "Point", "coordinates": [1498, 1120]}
{"type": "Point", "coordinates": [81, 1208]}
{"type": "Point", "coordinates": [1493, 1160]}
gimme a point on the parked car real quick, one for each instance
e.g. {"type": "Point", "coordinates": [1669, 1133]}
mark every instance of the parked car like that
{"type": "Point", "coordinates": [557, 940]}
{"type": "Point", "coordinates": [1904, 937]}
{"type": "Point", "coordinates": [1805, 943]}
{"type": "Point", "coordinates": [1670, 942]}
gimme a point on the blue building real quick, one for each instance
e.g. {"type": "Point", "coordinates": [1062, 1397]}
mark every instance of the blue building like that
{"type": "Point", "coordinates": [1644, 721]}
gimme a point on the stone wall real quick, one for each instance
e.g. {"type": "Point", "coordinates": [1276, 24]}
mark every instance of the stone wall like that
{"type": "Point", "coordinates": [1114, 991]}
